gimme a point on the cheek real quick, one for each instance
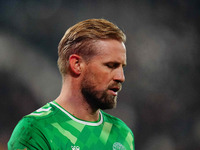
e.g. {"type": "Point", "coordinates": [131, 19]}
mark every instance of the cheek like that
{"type": "Point", "coordinates": [103, 81]}
{"type": "Point", "coordinates": [100, 79]}
{"type": "Point", "coordinates": [99, 75]}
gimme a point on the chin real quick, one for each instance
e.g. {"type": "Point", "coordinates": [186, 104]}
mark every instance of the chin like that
{"type": "Point", "coordinates": [109, 104]}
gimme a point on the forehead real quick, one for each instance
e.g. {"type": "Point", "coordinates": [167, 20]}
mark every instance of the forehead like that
{"type": "Point", "coordinates": [111, 50]}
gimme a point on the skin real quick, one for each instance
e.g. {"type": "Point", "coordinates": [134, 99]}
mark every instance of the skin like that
{"type": "Point", "coordinates": [103, 76]}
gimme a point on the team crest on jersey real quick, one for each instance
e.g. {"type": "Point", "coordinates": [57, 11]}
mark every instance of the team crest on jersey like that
{"type": "Point", "coordinates": [118, 146]}
{"type": "Point", "coordinates": [75, 147]}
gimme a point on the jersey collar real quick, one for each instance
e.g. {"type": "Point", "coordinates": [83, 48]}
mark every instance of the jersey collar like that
{"type": "Point", "coordinates": [78, 120]}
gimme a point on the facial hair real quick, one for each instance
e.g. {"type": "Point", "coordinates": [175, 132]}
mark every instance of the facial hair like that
{"type": "Point", "coordinates": [98, 99]}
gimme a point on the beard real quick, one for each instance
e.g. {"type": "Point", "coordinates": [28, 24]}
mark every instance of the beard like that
{"type": "Point", "coordinates": [97, 99]}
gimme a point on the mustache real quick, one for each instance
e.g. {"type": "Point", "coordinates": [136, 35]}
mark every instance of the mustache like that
{"type": "Point", "coordinates": [115, 85]}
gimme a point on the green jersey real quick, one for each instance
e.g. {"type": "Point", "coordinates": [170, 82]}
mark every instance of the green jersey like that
{"type": "Point", "coordinates": [52, 127]}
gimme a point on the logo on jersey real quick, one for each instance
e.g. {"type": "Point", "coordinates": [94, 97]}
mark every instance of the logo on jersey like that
{"type": "Point", "coordinates": [118, 146]}
{"type": "Point", "coordinates": [75, 147]}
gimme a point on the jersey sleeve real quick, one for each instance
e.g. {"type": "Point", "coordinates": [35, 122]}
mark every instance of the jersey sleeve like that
{"type": "Point", "coordinates": [27, 136]}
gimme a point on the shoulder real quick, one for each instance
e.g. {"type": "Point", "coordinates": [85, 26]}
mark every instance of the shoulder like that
{"type": "Point", "coordinates": [119, 127]}
{"type": "Point", "coordinates": [33, 120]}
{"type": "Point", "coordinates": [41, 118]}
{"type": "Point", "coordinates": [46, 111]}
{"type": "Point", "coordinates": [30, 128]}
{"type": "Point", "coordinates": [113, 119]}
{"type": "Point", "coordinates": [37, 120]}
{"type": "Point", "coordinates": [116, 121]}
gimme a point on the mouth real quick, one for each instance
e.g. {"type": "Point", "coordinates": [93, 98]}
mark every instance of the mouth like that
{"type": "Point", "coordinates": [114, 90]}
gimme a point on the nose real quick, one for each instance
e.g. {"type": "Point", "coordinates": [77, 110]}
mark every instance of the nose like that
{"type": "Point", "coordinates": [119, 75]}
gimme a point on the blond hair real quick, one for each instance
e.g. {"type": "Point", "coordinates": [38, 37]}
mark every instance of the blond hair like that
{"type": "Point", "coordinates": [80, 38]}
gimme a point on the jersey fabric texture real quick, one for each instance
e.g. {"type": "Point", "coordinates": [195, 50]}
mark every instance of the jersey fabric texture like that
{"type": "Point", "coordinates": [53, 128]}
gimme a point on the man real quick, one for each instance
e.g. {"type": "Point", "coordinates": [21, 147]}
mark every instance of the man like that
{"type": "Point", "coordinates": [91, 58]}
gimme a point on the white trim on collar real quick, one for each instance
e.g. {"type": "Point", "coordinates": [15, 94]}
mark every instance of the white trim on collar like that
{"type": "Point", "coordinates": [77, 120]}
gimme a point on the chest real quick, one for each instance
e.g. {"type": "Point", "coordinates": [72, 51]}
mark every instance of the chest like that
{"type": "Point", "coordinates": [83, 137]}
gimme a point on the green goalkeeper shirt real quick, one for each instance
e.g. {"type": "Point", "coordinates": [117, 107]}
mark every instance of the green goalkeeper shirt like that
{"type": "Point", "coordinates": [53, 128]}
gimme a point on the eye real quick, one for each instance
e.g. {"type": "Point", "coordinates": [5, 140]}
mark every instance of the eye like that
{"type": "Point", "coordinates": [112, 65]}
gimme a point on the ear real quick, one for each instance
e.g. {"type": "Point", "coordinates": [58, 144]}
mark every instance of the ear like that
{"type": "Point", "coordinates": [75, 64]}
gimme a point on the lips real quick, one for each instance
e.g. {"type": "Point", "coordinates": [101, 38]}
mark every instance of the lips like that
{"type": "Point", "coordinates": [115, 89]}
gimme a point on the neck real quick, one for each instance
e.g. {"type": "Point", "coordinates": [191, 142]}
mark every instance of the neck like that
{"type": "Point", "coordinates": [72, 100]}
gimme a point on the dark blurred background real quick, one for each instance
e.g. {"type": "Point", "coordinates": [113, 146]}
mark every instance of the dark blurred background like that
{"type": "Point", "coordinates": [160, 99]}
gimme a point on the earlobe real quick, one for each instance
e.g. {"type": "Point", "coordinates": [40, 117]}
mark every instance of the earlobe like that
{"type": "Point", "coordinates": [75, 64]}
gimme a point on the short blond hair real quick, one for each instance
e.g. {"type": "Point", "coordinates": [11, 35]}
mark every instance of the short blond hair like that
{"type": "Point", "coordinates": [80, 38]}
